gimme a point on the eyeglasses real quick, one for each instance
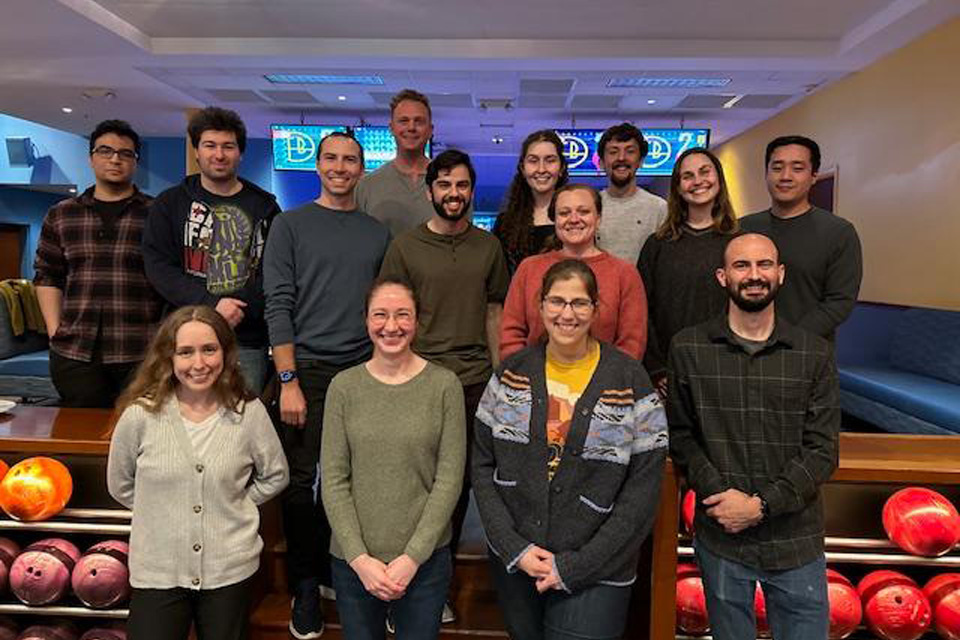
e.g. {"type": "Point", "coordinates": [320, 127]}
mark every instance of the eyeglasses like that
{"type": "Point", "coordinates": [556, 304]}
{"type": "Point", "coordinates": [107, 152]}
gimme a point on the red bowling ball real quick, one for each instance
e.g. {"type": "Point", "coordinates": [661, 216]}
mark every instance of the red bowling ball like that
{"type": "Point", "coordinates": [894, 607]}
{"type": "Point", "coordinates": [9, 550]}
{"type": "Point", "coordinates": [41, 574]}
{"type": "Point", "coordinates": [943, 591]}
{"type": "Point", "coordinates": [760, 611]}
{"type": "Point", "coordinates": [687, 509]}
{"type": "Point", "coordinates": [691, 601]}
{"type": "Point", "coordinates": [116, 632]}
{"type": "Point", "coordinates": [51, 630]}
{"type": "Point", "coordinates": [921, 521]}
{"type": "Point", "coordinates": [101, 579]}
{"type": "Point", "coordinates": [846, 611]}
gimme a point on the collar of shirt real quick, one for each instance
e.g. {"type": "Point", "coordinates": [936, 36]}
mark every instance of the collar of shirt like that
{"type": "Point", "coordinates": [784, 333]}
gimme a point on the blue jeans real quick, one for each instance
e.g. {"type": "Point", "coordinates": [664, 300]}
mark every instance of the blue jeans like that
{"type": "Point", "coordinates": [598, 612]}
{"type": "Point", "coordinates": [416, 615]}
{"type": "Point", "coordinates": [797, 604]}
{"type": "Point", "coordinates": [252, 362]}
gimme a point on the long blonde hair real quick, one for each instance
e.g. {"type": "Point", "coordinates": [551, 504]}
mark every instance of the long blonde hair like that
{"type": "Point", "coordinates": [154, 381]}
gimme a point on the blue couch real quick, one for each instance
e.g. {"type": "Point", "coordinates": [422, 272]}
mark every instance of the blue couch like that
{"type": "Point", "coordinates": [24, 363]}
{"type": "Point", "coordinates": [899, 368]}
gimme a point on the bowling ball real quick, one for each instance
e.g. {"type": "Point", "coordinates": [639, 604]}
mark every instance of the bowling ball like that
{"type": "Point", "coordinates": [943, 591]}
{"type": "Point", "coordinates": [691, 600]}
{"type": "Point", "coordinates": [115, 631]}
{"type": "Point", "coordinates": [846, 612]}
{"type": "Point", "coordinates": [41, 574]}
{"type": "Point", "coordinates": [760, 611]}
{"type": "Point", "coordinates": [35, 489]}
{"type": "Point", "coordinates": [894, 607]}
{"type": "Point", "coordinates": [101, 579]}
{"type": "Point", "coordinates": [9, 550]}
{"type": "Point", "coordinates": [8, 628]}
{"type": "Point", "coordinates": [687, 509]}
{"type": "Point", "coordinates": [4, 467]}
{"type": "Point", "coordinates": [57, 629]}
{"type": "Point", "coordinates": [921, 521]}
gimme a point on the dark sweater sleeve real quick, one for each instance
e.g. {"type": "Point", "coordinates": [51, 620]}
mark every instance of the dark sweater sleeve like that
{"type": "Point", "coordinates": [280, 283]}
{"type": "Point", "coordinates": [635, 507]}
{"type": "Point", "coordinates": [685, 448]}
{"type": "Point", "coordinates": [498, 524]}
{"type": "Point", "coordinates": [163, 256]}
{"type": "Point", "coordinates": [844, 273]}
{"type": "Point", "coordinates": [798, 483]}
{"type": "Point", "coordinates": [654, 358]}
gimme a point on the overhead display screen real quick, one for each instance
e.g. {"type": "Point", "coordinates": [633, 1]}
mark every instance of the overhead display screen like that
{"type": "Point", "coordinates": [580, 149]}
{"type": "Point", "coordinates": [295, 145]}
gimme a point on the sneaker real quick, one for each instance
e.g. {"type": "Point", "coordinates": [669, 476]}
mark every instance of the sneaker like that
{"type": "Point", "coordinates": [306, 618]}
{"type": "Point", "coordinates": [448, 615]}
{"type": "Point", "coordinates": [327, 593]}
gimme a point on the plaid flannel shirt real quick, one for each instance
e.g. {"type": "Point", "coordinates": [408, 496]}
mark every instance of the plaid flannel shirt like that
{"type": "Point", "coordinates": [99, 268]}
{"type": "Point", "coordinates": [765, 424]}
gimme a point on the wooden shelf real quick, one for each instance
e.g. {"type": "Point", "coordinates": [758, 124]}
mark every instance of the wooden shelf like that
{"type": "Point", "coordinates": [52, 431]}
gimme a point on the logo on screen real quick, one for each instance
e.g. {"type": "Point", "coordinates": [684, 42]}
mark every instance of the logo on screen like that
{"type": "Point", "coordinates": [576, 150]}
{"type": "Point", "coordinates": [300, 147]}
{"type": "Point", "coordinates": [658, 153]}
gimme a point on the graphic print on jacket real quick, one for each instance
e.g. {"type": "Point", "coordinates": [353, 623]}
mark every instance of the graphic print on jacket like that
{"type": "Point", "coordinates": [222, 245]}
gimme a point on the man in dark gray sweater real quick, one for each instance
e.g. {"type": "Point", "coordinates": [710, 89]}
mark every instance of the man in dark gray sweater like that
{"type": "Point", "coordinates": [821, 251]}
{"type": "Point", "coordinates": [321, 259]}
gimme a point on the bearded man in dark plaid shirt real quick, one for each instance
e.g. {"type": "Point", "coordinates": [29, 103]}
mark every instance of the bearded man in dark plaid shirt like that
{"type": "Point", "coordinates": [99, 308]}
{"type": "Point", "coordinates": [753, 415]}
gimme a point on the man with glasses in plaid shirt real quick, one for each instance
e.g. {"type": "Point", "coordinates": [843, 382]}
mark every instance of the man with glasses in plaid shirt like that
{"type": "Point", "coordinates": [98, 307]}
{"type": "Point", "coordinates": [753, 415]}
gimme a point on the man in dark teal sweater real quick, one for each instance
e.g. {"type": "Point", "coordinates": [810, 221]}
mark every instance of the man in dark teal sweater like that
{"type": "Point", "coordinates": [820, 250]}
{"type": "Point", "coordinates": [321, 259]}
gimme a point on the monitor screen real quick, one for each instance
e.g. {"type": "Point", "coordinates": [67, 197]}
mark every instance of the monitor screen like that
{"type": "Point", "coordinates": [295, 145]}
{"type": "Point", "coordinates": [580, 149]}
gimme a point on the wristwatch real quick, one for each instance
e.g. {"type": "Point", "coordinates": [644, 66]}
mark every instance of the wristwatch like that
{"type": "Point", "coordinates": [287, 376]}
{"type": "Point", "coordinates": [764, 508]}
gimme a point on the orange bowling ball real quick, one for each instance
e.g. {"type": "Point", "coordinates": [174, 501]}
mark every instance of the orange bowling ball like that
{"type": "Point", "coordinates": [35, 489]}
{"type": "Point", "coordinates": [4, 467]}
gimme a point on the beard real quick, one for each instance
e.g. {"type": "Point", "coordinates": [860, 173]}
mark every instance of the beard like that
{"type": "Point", "coordinates": [753, 305]}
{"type": "Point", "coordinates": [452, 217]}
{"type": "Point", "coordinates": [620, 183]}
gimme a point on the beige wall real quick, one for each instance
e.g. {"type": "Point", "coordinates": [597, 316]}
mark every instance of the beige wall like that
{"type": "Point", "coordinates": [893, 132]}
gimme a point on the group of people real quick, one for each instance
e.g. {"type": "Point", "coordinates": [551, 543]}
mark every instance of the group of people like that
{"type": "Point", "coordinates": [417, 356]}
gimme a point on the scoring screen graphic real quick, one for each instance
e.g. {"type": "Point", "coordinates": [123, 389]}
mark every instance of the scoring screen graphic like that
{"type": "Point", "coordinates": [295, 145]}
{"type": "Point", "coordinates": [664, 145]}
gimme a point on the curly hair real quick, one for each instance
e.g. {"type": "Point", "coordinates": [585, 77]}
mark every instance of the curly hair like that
{"type": "Point", "coordinates": [154, 381]}
{"type": "Point", "coordinates": [516, 214]}
{"type": "Point", "coordinates": [217, 119]}
{"type": "Point", "coordinates": [724, 218]}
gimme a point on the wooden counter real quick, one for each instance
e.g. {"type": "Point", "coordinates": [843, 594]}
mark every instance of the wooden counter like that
{"type": "Point", "coordinates": [51, 430]}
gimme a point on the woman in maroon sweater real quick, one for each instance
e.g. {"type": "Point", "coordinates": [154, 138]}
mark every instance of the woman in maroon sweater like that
{"type": "Point", "coordinates": [621, 317]}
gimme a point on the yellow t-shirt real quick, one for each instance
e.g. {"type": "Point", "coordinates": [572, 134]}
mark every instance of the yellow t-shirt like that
{"type": "Point", "coordinates": [565, 385]}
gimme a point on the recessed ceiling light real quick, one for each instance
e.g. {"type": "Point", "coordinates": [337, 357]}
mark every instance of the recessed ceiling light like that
{"type": "Point", "coordinates": [316, 78]}
{"type": "Point", "coordinates": [732, 101]}
{"type": "Point", "coordinates": [341, 98]}
{"type": "Point", "coordinates": [66, 109]}
{"type": "Point", "coordinates": [651, 101]}
{"type": "Point", "coordinates": [669, 83]}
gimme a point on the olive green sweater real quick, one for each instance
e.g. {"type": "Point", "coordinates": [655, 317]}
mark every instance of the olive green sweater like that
{"type": "Point", "coordinates": [392, 463]}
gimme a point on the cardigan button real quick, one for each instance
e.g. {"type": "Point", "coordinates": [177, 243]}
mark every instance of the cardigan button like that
{"type": "Point", "coordinates": [197, 547]}
{"type": "Point", "coordinates": [197, 508]}
{"type": "Point", "coordinates": [199, 468]}
{"type": "Point", "coordinates": [195, 581]}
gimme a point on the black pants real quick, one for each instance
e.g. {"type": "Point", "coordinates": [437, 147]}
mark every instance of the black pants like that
{"type": "Point", "coordinates": [89, 384]}
{"type": "Point", "coordinates": [305, 522]}
{"type": "Point", "coordinates": [471, 400]}
{"type": "Point", "coordinates": [166, 614]}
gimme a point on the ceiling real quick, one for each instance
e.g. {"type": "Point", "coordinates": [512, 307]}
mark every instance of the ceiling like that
{"type": "Point", "coordinates": [496, 68]}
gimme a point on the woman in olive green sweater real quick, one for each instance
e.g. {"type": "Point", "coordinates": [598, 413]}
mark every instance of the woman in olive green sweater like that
{"type": "Point", "coordinates": [392, 461]}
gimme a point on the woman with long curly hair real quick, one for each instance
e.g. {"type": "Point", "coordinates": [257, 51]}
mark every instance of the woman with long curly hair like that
{"type": "Point", "coordinates": [678, 262]}
{"type": "Point", "coordinates": [192, 455]}
{"type": "Point", "coordinates": [523, 226]}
